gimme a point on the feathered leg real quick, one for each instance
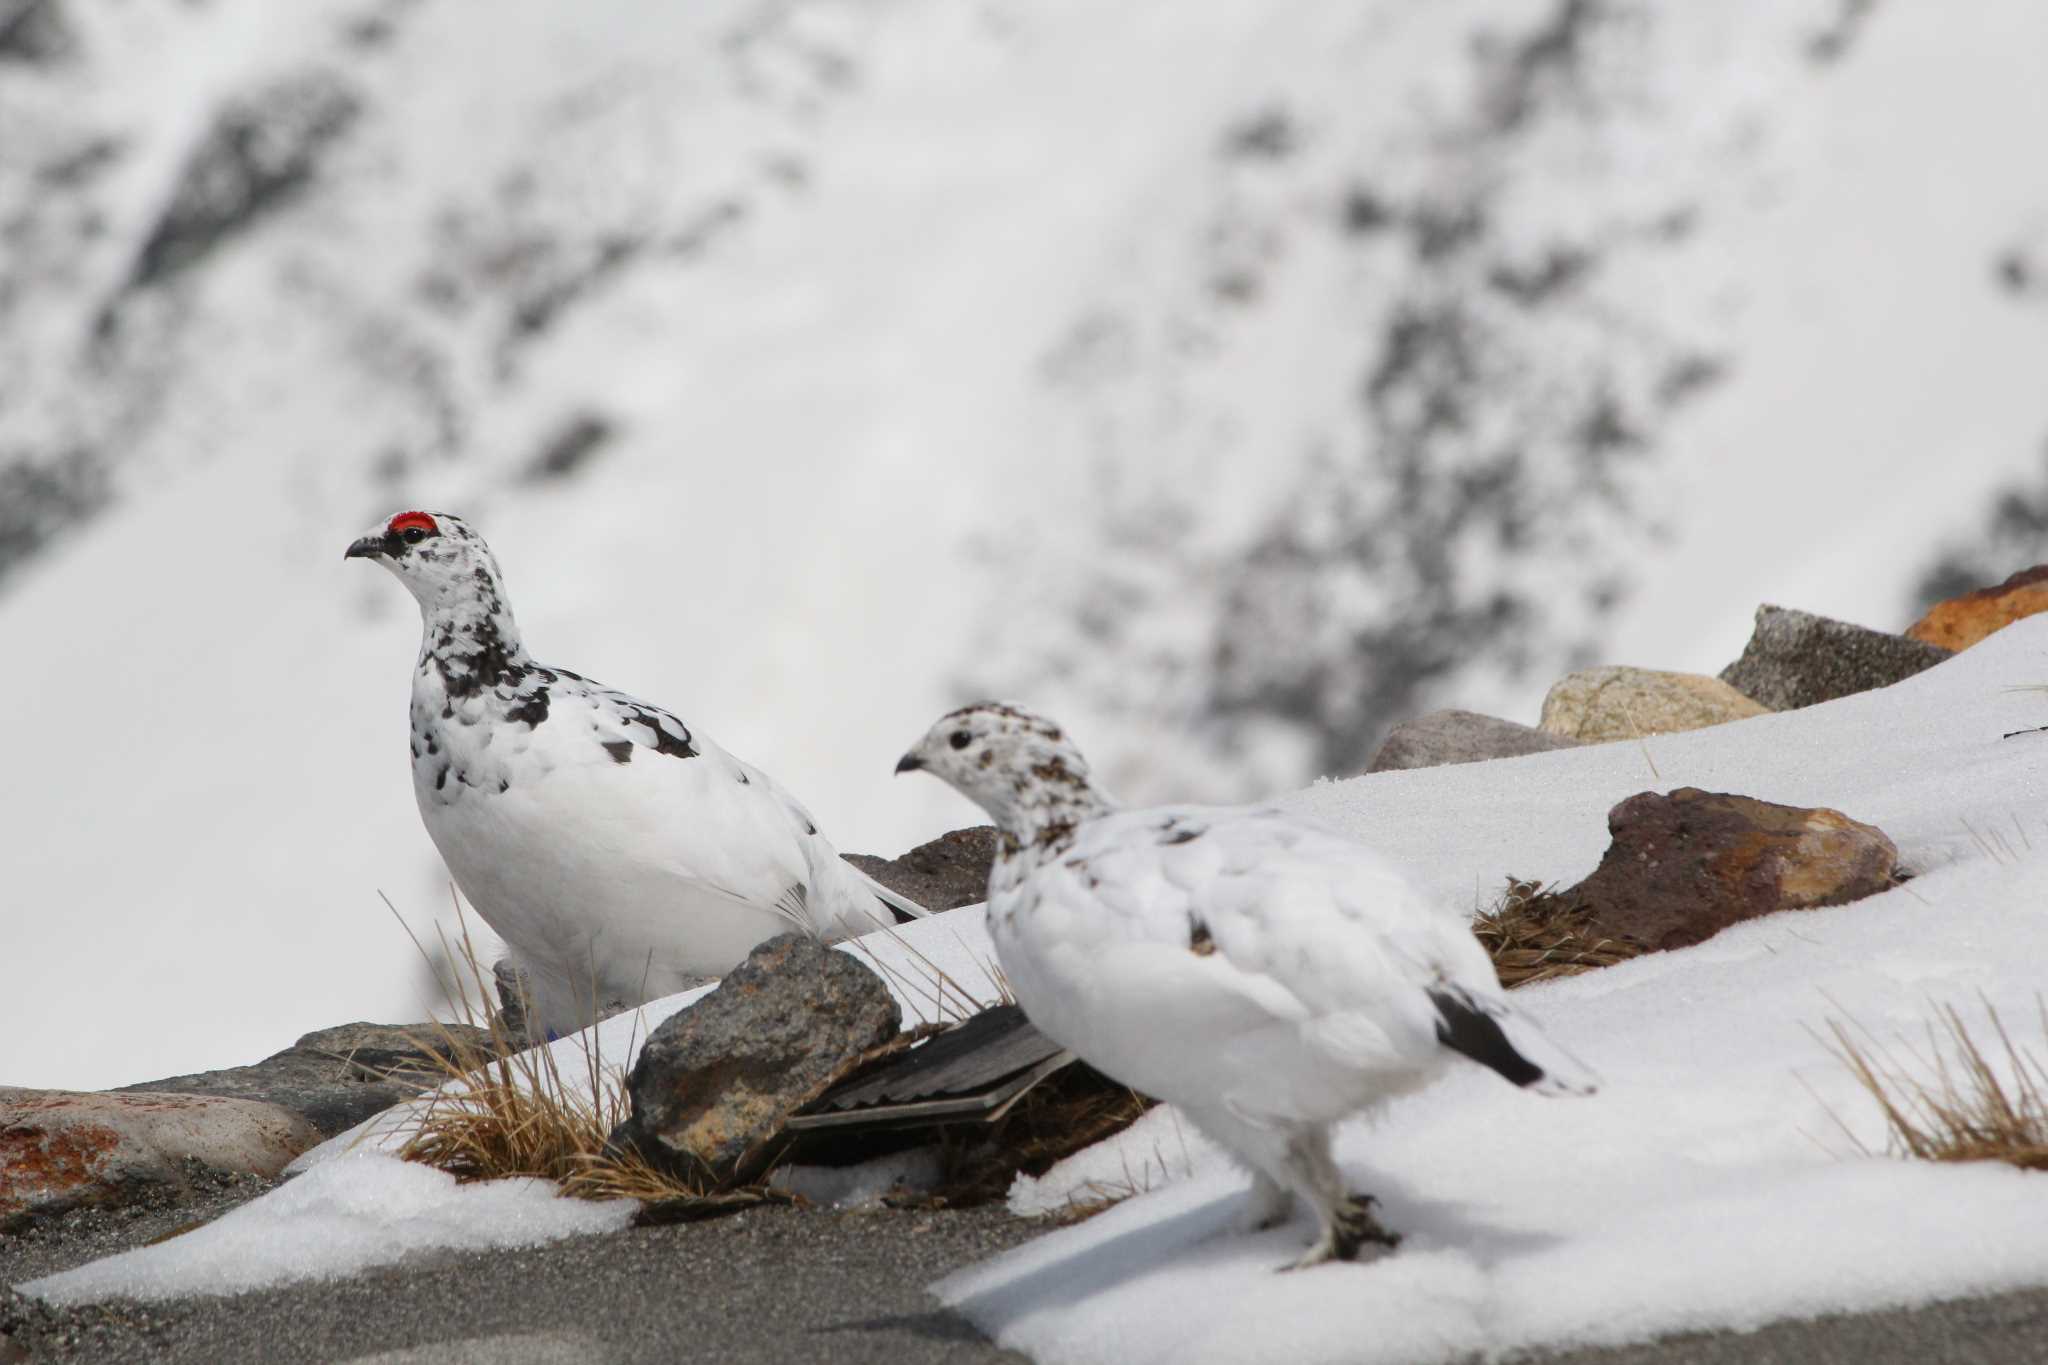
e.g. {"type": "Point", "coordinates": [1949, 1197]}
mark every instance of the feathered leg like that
{"type": "Point", "coordinates": [1347, 1219]}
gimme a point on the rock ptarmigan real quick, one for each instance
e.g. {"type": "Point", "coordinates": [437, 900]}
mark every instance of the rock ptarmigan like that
{"type": "Point", "coordinates": [620, 854]}
{"type": "Point", "coordinates": [1262, 974]}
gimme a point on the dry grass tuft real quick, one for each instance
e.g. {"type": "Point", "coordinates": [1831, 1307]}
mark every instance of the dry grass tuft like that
{"type": "Point", "coordinates": [1952, 1101]}
{"type": "Point", "coordinates": [1535, 934]}
{"type": "Point", "coordinates": [501, 1108]}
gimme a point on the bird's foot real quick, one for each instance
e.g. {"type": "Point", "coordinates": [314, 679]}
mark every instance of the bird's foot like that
{"type": "Point", "coordinates": [1353, 1228]}
{"type": "Point", "coordinates": [1357, 1227]}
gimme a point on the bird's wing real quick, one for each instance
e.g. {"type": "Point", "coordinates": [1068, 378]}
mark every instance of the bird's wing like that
{"type": "Point", "coordinates": [647, 784]}
{"type": "Point", "coordinates": [728, 823]}
{"type": "Point", "coordinates": [1317, 929]}
{"type": "Point", "coordinates": [1339, 936]}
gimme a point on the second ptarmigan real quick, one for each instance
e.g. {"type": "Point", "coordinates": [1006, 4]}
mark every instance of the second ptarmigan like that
{"type": "Point", "coordinates": [620, 854]}
{"type": "Point", "coordinates": [1264, 975]}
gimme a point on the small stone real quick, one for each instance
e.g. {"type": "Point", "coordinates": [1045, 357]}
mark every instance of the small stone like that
{"type": "Point", "coordinates": [61, 1149]}
{"type": "Point", "coordinates": [1442, 738]}
{"type": "Point", "coordinates": [1684, 866]}
{"type": "Point", "coordinates": [1962, 621]}
{"type": "Point", "coordinates": [336, 1077]}
{"type": "Point", "coordinates": [1602, 704]}
{"type": "Point", "coordinates": [945, 874]}
{"type": "Point", "coordinates": [1796, 659]}
{"type": "Point", "coordinates": [717, 1081]}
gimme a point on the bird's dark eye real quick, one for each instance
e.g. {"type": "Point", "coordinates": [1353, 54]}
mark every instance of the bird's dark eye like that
{"type": "Point", "coordinates": [414, 535]}
{"type": "Point", "coordinates": [960, 739]}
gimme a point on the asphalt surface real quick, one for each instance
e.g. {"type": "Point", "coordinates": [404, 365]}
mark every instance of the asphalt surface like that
{"type": "Point", "coordinates": [771, 1284]}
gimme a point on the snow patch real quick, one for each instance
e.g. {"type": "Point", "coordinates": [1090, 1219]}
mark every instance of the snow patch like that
{"type": "Point", "coordinates": [369, 1209]}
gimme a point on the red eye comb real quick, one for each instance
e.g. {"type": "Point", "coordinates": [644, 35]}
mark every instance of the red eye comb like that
{"type": "Point", "coordinates": [406, 521]}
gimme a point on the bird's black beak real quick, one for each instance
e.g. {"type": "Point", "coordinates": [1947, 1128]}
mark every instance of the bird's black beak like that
{"type": "Point", "coordinates": [909, 763]}
{"type": "Point", "coordinates": [367, 548]}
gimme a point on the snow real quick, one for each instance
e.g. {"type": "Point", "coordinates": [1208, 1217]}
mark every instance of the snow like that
{"type": "Point", "coordinates": [369, 1209]}
{"type": "Point", "coordinates": [1152, 1153]}
{"type": "Point", "coordinates": [864, 1184]}
{"type": "Point", "coordinates": [1730, 1171]}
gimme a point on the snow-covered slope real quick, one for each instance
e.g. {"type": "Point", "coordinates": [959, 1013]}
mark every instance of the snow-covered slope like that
{"type": "Point", "coordinates": [1730, 1171]}
{"type": "Point", "coordinates": [1228, 379]}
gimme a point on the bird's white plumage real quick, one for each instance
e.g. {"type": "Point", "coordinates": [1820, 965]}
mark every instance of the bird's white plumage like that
{"type": "Point", "coordinates": [619, 854]}
{"type": "Point", "coordinates": [1265, 975]}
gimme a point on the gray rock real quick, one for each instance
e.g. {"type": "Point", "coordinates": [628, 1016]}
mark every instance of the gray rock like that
{"type": "Point", "coordinates": [716, 1082]}
{"type": "Point", "coordinates": [1442, 738]}
{"type": "Point", "coordinates": [334, 1078]}
{"type": "Point", "coordinates": [1796, 659]}
{"type": "Point", "coordinates": [61, 1149]}
{"type": "Point", "coordinates": [945, 874]}
{"type": "Point", "coordinates": [514, 994]}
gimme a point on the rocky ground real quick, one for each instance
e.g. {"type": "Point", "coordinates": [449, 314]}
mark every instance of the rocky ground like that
{"type": "Point", "coordinates": [766, 1284]}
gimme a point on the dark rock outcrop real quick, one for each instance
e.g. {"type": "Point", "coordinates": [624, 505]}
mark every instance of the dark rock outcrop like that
{"type": "Point", "coordinates": [334, 1078]}
{"type": "Point", "coordinates": [35, 32]}
{"type": "Point", "coordinates": [1684, 866]}
{"type": "Point", "coordinates": [945, 874]}
{"type": "Point", "coordinates": [1442, 738]}
{"type": "Point", "coordinates": [1796, 659]}
{"type": "Point", "coordinates": [716, 1083]}
{"type": "Point", "coordinates": [261, 151]}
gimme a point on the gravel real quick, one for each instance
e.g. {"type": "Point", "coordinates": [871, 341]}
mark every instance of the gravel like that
{"type": "Point", "coordinates": [770, 1284]}
{"type": "Point", "coordinates": [767, 1284]}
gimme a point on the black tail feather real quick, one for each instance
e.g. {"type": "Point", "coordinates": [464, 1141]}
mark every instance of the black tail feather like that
{"type": "Point", "coordinates": [1478, 1035]}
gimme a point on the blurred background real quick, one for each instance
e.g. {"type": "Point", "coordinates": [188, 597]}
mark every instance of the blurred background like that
{"type": "Point", "coordinates": [1230, 379]}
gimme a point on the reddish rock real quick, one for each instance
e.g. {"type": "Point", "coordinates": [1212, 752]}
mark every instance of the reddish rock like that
{"type": "Point", "coordinates": [1962, 621]}
{"type": "Point", "coordinates": [1684, 866]}
{"type": "Point", "coordinates": [61, 1150]}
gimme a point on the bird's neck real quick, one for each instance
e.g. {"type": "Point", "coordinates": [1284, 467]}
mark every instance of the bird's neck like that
{"type": "Point", "coordinates": [471, 642]}
{"type": "Point", "coordinates": [1045, 813]}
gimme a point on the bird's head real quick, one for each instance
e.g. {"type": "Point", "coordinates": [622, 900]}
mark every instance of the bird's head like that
{"type": "Point", "coordinates": [436, 556]}
{"type": "Point", "coordinates": [1019, 767]}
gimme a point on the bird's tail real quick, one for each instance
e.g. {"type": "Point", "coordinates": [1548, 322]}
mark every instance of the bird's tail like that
{"type": "Point", "coordinates": [895, 900]}
{"type": "Point", "coordinates": [1496, 1034]}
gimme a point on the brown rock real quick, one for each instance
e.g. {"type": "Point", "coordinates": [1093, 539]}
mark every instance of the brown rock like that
{"type": "Point", "coordinates": [1962, 621]}
{"type": "Point", "coordinates": [61, 1150]}
{"type": "Point", "coordinates": [1683, 867]}
{"type": "Point", "coordinates": [1602, 704]}
{"type": "Point", "coordinates": [945, 874]}
{"type": "Point", "coordinates": [717, 1081]}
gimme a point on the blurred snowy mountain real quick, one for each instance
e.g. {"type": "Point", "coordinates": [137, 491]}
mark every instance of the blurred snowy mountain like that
{"type": "Point", "coordinates": [1231, 379]}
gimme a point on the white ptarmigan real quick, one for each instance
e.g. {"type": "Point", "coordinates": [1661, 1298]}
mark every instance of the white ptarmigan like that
{"type": "Point", "coordinates": [1264, 975]}
{"type": "Point", "coordinates": [618, 853]}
